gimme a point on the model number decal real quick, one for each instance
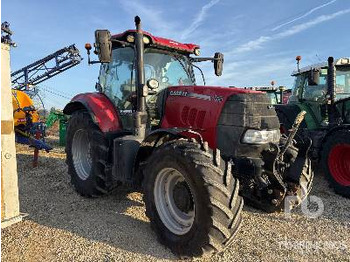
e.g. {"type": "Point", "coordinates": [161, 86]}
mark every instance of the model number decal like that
{"type": "Point", "coordinates": [214, 98]}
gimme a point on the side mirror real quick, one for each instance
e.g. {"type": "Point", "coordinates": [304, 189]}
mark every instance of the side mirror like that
{"type": "Point", "coordinates": [218, 63]}
{"type": "Point", "coordinates": [103, 45]}
{"type": "Point", "coordinates": [314, 77]}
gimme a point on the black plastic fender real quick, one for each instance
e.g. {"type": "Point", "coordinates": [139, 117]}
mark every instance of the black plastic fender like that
{"type": "Point", "coordinates": [152, 141]}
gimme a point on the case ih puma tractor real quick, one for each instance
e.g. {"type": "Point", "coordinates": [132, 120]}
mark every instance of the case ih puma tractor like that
{"type": "Point", "coordinates": [194, 149]}
{"type": "Point", "coordinates": [323, 91]}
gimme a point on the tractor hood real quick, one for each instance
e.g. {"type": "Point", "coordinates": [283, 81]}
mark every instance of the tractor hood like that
{"type": "Point", "coordinates": [218, 112]}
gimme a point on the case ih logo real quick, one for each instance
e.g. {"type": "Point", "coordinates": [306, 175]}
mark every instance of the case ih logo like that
{"type": "Point", "coordinates": [215, 98]}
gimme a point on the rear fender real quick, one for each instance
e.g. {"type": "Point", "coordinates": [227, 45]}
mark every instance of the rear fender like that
{"type": "Point", "coordinates": [101, 109]}
{"type": "Point", "coordinates": [332, 131]}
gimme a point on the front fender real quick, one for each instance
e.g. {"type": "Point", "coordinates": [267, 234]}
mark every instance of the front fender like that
{"type": "Point", "coordinates": [101, 109]}
{"type": "Point", "coordinates": [151, 142]}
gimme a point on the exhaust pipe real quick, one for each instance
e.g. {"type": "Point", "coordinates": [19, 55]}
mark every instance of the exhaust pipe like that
{"type": "Point", "coordinates": [331, 82]}
{"type": "Point", "coordinates": [140, 120]}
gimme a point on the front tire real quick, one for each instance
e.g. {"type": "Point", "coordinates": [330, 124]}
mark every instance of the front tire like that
{"type": "Point", "coordinates": [87, 156]}
{"type": "Point", "coordinates": [336, 162]}
{"type": "Point", "coordinates": [191, 198]}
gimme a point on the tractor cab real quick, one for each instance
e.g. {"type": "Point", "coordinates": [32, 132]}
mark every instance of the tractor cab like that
{"type": "Point", "coordinates": [164, 66]}
{"type": "Point", "coordinates": [311, 82]}
{"type": "Point", "coordinates": [311, 89]}
{"type": "Point", "coordinates": [274, 94]}
{"type": "Point", "coordinates": [159, 64]}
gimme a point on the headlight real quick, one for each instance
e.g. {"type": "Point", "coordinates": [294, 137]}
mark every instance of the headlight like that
{"type": "Point", "coordinates": [197, 51]}
{"type": "Point", "coordinates": [153, 83]}
{"type": "Point", "coordinates": [146, 40]}
{"type": "Point", "coordinates": [253, 136]}
{"type": "Point", "coordinates": [130, 38]}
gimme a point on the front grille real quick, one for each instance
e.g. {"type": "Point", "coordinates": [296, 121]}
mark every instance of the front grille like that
{"type": "Point", "coordinates": [241, 112]}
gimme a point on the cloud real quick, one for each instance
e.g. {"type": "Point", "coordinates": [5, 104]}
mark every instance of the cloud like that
{"type": "Point", "coordinates": [199, 18]}
{"type": "Point", "coordinates": [301, 27]}
{"type": "Point", "coordinates": [304, 15]}
{"type": "Point", "coordinates": [254, 44]}
{"type": "Point", "coordinates": [258, 43]}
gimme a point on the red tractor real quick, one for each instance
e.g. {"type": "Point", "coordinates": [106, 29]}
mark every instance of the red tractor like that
{"type": "Point", "coordinates": [196, 150]}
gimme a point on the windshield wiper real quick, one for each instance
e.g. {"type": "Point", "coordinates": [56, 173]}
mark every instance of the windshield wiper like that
{"type": "Point", "coordinates": [200, 70]}
{"type": "Point", "coordinates": [178, 58]}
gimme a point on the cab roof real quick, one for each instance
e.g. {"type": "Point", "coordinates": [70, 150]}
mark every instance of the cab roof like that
{"type": "Point", "coordinates": [160, 42]}
{"type": "Point", "coordinates": [337, 62]}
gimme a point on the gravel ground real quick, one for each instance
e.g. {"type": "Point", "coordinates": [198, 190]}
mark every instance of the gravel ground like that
{"type": "Point", "coordinates": [63, 226]}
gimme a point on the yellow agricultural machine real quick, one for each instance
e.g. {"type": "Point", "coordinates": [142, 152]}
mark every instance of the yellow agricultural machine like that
{"type": "Point", "coordinates": [29, 128]}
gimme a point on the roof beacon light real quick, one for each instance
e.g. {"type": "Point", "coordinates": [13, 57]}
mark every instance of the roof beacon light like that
{"type": "Point", "coordinates": [88, 46]}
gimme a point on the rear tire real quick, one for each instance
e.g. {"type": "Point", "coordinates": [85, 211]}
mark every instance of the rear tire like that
{"type": "Point", "coordinates": [87, 156]}
{"type": "Point", "coordinates": [335, 160]}
{"type": "Point", "coordinates": [209, 202]}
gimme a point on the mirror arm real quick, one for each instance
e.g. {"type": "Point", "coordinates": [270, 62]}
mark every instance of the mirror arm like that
{"type": "Point", "coordinates": [202, 59]}
{"type": "Point", "coordinates": [89, 60]}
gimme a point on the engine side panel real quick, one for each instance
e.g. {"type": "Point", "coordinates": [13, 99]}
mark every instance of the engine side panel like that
{"type": "Point", "coordinates": [101, 109]}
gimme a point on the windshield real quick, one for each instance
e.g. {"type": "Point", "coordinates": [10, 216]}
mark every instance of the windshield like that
{"type": "Point", "coordinates": [273, 97]}
{"type": "Point", "coordinates": [343, 82]}
{"type": "Point", "coordinates": [318, 92]}
{"type": "Point", "coordinates": [117, 78]}
{"type": "Point", "coordinates": [168, 68]}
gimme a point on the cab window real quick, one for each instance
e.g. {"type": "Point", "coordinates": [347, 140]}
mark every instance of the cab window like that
{"type": "Point", "coordinates": [115, 78]}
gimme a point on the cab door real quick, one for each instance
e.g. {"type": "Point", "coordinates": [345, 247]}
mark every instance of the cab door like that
{"type": "Point", "coordinates": [313, 100]}
{"type": "Point", "coordinates": [116, 81]}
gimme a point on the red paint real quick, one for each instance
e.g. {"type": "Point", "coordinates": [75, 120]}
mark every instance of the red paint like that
{"type": "Point", "coordinates": [103, 110]}
{"type": "Point", "coordinates": [198, 113]}
{"type": "Point", "coordinates": [160, 41]}
{"type": "Point", "coordinates": [339, 164]}
{"type": "Point", "coordinates": [286, 96]}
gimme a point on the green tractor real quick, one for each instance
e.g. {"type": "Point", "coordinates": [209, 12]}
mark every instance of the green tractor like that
{"type": "Point", "coordinates": [62, 119]}
{"type": "Point", "coordinates": [323, 91]}
{"type": "Point", "coordinates": [276, 95]}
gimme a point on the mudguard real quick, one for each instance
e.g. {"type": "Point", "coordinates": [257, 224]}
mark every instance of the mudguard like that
{"type": "Point", "coordinates": [331, 131]}
{"type": "Point", "coordinates": [101, 109]}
